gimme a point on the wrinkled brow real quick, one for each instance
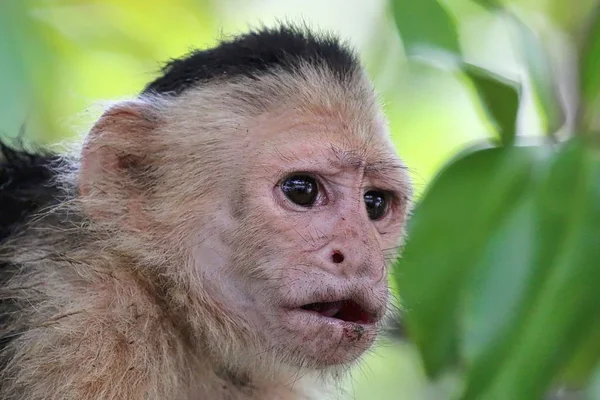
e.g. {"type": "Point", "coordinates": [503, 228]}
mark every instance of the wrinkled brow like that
{"type": "Point", "coordinates": [359, 158]}
{"type": "Point", "coordinates": [385, 168]}
{"type": "Point", "coordinates": [393, 173]}
{"type": "Point", "coordinates": [348, 158]}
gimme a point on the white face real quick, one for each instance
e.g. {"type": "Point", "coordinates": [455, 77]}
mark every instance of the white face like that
{"type": "Point", "coordinates": [315, 207]}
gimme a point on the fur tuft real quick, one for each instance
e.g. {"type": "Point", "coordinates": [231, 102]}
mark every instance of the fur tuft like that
{"type": "Point", "coordinates": [26, 185]}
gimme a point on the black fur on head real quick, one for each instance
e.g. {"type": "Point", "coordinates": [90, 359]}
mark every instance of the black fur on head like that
{"type": "Point", "coordinates": [254, 54]}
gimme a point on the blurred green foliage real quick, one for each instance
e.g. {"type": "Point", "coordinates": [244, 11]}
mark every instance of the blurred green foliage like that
{"type": "Point", "coordinates": [59, 56]}
{"type": "Point", "coordinates": [501, 272]}
{"type": "Point", "coordinates": [499, 277]}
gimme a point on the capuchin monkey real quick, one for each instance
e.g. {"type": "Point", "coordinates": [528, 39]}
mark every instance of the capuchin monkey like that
{"type": "Point", "coordinates": [226, 234]}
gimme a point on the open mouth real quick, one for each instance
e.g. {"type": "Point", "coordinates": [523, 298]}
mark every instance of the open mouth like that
{"type": "Point", "coordinates": [345, 310]}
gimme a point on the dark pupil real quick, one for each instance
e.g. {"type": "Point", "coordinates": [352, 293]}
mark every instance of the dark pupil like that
{"type": "Point", "coordinates": [376, 204]}
{"type": "Point", "coordinates": [300, 189]}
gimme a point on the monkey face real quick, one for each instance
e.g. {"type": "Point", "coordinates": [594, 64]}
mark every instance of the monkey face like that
{"type": "Point", "coordinates": [281, 221]}
{"type": "Point", "coordinates": [315, 221]}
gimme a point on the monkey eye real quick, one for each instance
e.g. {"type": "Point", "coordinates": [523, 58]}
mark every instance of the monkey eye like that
{"type": "Point", "coordinates": [376, 203]}
{"type": "Point", "coordinates": [300, 189]}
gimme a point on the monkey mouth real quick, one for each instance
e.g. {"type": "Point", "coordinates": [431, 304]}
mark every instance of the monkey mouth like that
{"type": "Point", "coordinates": [344, 310]}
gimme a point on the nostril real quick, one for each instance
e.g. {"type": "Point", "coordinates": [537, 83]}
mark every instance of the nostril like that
{"type": "Point", "coordinates": [337, 257]}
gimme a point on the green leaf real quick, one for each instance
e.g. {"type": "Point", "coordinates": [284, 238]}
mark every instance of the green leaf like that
{"type": "Point", "coordinates": [581, 366]}
{"type": "Point", "coordinates": [500, 98]}
{"type": "Point", "coordinates": [590, 67]}
{"type": "Point", "coordinates": [533, 54]}
{"type": "Point", "coordinates": [425, 24]}
{"type": "Point", "coordinates": [499, 279]}
{"type": "Point", "coordinates": [539, 67]}
{"type": "Point", "coordinates": [450, 227]}
{"type": "Point", "coordinates": [562, 305]}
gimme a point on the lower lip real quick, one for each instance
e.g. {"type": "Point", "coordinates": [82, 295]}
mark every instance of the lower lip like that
{"type": "Point", "coordinates": [352, 330]}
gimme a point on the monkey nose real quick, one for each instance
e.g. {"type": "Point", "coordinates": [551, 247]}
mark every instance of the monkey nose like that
{"type": "Point", "coordinates": [342, 262]}
{"type": "Point", "coordinates": [351, 261]}
{"type": "Point", "coordinates": [337, 257]}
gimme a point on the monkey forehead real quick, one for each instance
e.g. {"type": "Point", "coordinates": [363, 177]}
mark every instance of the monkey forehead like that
{"type": "Point", "coordinates": [320, 108]}
{"type": "Point", "coordinates": [309, 141]}
{"type": "Point", "coordinates": [316, 131]}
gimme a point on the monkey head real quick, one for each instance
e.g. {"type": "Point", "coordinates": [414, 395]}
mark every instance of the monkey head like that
{"type": "Point", "coordinates": [258, 188]}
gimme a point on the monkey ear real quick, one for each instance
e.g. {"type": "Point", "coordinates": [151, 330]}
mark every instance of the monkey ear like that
{"type": "Point", "coordinates": [114, 156]}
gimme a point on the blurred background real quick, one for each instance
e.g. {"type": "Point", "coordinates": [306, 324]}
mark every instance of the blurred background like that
{"type": "Point", "coordinates": [60, 59]}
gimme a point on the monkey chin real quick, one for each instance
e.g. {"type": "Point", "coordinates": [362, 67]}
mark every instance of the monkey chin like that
{"type": "Point", "coordinates": [325, 340]}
